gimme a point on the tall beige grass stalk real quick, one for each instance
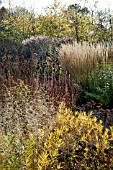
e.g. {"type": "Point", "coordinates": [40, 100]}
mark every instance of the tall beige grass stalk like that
{"type": "Point", "coordinates": [81, 59]}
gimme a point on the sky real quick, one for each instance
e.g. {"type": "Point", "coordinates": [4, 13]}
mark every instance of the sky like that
{"type": "Point", "coordinates": [39, 5]}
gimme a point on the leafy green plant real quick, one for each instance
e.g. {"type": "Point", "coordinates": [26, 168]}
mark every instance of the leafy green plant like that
{"type": "Point", "coordinates": [100, 84]}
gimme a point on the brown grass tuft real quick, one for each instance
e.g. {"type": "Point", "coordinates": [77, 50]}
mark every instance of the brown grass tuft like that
{"type": "Point", "coordinates": [81, 59]}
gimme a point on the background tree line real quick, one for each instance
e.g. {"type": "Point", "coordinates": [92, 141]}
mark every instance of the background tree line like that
{"type": "Point", "coordinates": [74, 21]}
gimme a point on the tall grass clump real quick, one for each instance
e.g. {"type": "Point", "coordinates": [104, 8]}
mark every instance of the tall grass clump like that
{"type": "Point", "coordinates": [80, 59]}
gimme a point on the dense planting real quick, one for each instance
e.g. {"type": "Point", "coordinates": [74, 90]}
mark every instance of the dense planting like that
{"type": "Point", "coordinates": [35, 134]}
{"type": "Point", "coordinates": [72, 140]}
{"type": "Point", "coordinates": [56, 90]}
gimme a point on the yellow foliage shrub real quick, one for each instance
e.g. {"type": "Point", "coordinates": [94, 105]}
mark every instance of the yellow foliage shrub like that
{"type": "Point", "coordinates": [72, 141]}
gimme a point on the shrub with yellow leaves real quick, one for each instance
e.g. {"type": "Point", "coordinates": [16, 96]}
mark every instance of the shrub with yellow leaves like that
{"type": "Point", "coordinates": [72, 141]}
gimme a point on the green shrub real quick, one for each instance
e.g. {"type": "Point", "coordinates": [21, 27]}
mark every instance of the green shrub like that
{"type": "Point", "coordinates": [100, 84]}
{"type": "Point", "coordinates": [9, 48]}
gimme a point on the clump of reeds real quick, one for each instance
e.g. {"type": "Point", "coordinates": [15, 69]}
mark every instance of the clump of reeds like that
{"type": "Point", "coordinates": [80, 59]}
{"type": "Point", "coordinates": [49, 78]}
